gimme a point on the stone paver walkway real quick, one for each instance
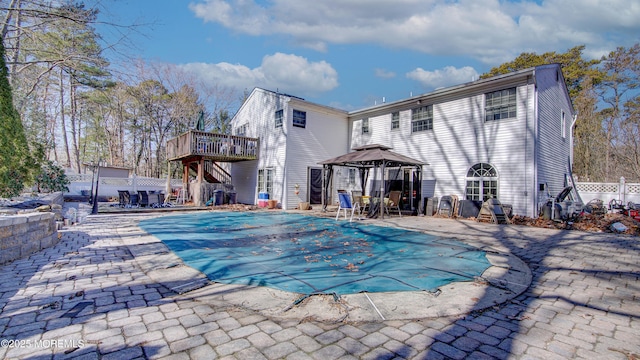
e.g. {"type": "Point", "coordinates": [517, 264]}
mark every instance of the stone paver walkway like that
{"type": "Point", "coordinates": [88, 298]}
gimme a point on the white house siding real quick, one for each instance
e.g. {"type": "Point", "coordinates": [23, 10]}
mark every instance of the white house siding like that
{"type": "Point", "coordinates": [526, 151]}
{"type": "Point", "coordinates": [325, 136]}
{"type": "Point", "coordinates": [553, 150]}
{"type": "Point", "coordinates": [258, 112]}
{"type": "Point", "coordinates": [460, 139]}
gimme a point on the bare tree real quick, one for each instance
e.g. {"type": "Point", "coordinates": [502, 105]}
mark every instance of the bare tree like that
{"type": "Point", "coordinates": [589, 136]}
{"type": "Point", "coordinates": [621, 69]}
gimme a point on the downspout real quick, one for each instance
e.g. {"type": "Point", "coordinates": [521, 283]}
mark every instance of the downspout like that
{"type": "Point", "coordinates": [534, 197]}
{"type": "Point", "coordinates": [285, 188]}
{"type": "Point", "coordinates": [573, 123]}
{"type": "Point", "coordinates": [382, 190]}
{"type": "Point", "coordinates": [526, 143]}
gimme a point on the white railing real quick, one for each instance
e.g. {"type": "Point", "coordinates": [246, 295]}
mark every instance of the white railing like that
{"type": "Point", "coordinates": [621, 191]}
{"type": "Point", "coordinates": [109, 186]}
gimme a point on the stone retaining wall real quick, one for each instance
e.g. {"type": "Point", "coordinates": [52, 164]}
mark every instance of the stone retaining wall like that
{"type": "Point", "coordinates": [23, 234]}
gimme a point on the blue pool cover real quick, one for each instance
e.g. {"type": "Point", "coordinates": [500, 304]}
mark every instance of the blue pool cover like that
{"type": "Point", "coordinates": [312, 255]}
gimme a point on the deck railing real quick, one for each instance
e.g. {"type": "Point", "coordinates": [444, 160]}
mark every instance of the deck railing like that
{"type": "Point", "coordinates": [216, 146]}
{"type": "Point", "coordinates": [218, 172]}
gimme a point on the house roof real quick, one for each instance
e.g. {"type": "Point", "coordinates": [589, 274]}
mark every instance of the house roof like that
{"type": "Point", "coordinates": [472, 86]}
{"type": "Point", "coordinates": [298, 100]}
{"type": "Point", "coordinates": [371, 156]}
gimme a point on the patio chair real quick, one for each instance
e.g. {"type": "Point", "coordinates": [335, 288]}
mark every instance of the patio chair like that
{"type": "Point", "coordinates": [143, 198]}
{"type": "Point", "coordinates": [394, 201]}
{"type": "Point", "coordinates": [163, 201]}
{"type": "Point", "coordinates": [124, 198]}
{"type": "Point", "coordinates": [156, 199]}
{"type": "Point", "coordinates": [357, 197]}
{"type": "Point", "coordinates": [345, 204]}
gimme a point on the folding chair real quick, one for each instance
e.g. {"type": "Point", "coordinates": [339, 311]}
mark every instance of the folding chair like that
{"type": "Point", "coordinates": [356, 196]}
{"type": "Point", "coordinates": [345, 204]}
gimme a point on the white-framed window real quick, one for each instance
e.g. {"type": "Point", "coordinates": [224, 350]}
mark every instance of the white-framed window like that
{"type": "Point", "coordinates": [242, 130]}
{"type": "Point", "coordinates": [365, 125]}
{"type": "Point", "coordinates": [395, 120]}
{"type": "Point", "coordinates": [422, 118]}
{"type": "Point", "coordinates": [563, 124]}
{"type": "Point", "coordinates": [299, 118]}
{"type": "Point", "coordinates": [265, 181]}
{"type": "Point", "coordinates": [500, 105]}
{"type": "Point", "coordinates": [482, 182]}
{"type": "Point", "coordinates": [279, 115]}
{"type": "Point", "coordinates": [352, 175]}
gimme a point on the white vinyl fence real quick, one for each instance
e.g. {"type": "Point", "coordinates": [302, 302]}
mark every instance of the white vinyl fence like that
{"type": "Point", "coordinates": [622, 191]}
{"type": "Point", "coordinates": [108, 186]}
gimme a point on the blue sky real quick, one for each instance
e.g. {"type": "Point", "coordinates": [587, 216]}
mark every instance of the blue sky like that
{"type": "Point", "coordinates": [351, 54]}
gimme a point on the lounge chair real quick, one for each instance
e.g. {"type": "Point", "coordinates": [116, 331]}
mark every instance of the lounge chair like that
{"type": "Point", "coordinates": [143, 198]}
{"type": "Point", "coordinates": [124, 199]}
{"type": "Point", "coordinates": [156, 199]}
{"type": "Point", "coordinates": [345, 204]}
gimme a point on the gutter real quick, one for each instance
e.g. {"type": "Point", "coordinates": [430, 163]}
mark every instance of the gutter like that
{"type": "Point", "coordinates": [440, 92]}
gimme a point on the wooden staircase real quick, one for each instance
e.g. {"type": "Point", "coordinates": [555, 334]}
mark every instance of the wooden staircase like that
{"type": "Point", "coordinates": [213, 173]}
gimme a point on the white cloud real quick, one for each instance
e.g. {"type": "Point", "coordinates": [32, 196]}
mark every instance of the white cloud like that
{"type": "Point", "coordinates": [385, 74]}
{"type": "Point", "coordinates": [444, 77]}
{"type": "Point", "coordinates": [492, 31]}
{"type": "Point", "coordinates": [285, 72]}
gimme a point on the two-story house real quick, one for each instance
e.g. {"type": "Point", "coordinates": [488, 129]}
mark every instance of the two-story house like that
{"type": "Point", "coordinates": [507, 137]}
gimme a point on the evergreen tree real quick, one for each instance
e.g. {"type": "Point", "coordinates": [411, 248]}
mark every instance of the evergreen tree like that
{"type": "Point", "coordinates": [17, 167]}
{"type": "Point", "coordinates": [582, 78]}
{"type": "Point", "coordinates": [574, 67]}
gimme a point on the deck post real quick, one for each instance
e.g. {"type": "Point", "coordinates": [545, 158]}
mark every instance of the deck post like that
{"type": "Point", "coordinates": [197, 200]}
{"type": "Point", "coordinates": [185, 179]}
{"type": "Point", "coordinates": [167, 188]}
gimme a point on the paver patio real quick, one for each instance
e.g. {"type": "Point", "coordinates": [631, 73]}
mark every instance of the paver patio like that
{"type": "Point", "coordinates": [90, 297]}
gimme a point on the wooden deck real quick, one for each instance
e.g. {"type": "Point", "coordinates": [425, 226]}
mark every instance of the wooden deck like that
{"type": "Point", "coordinates": [211, 146]}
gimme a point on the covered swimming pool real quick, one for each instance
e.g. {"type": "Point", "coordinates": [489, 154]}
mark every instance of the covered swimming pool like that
{"type": "Point", "coordinates": [314, 255]}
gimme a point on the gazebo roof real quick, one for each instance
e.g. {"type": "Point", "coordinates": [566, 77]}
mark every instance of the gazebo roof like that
{"type": "Point", "coordinates": [371, 156]}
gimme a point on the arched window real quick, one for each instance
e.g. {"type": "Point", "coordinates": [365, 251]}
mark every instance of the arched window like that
{"type": "Point", "coordinates": [482, 182]}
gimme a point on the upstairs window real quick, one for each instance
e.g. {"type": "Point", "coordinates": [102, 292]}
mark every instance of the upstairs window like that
{"type": "Point", "coordinates": [500, 105]}
{"type": "Point", "coordinates": [395, 120]}
{"type": "Point", "coordinates": [299, 118]}
{"type": "Point", "coordinates": [422, 118]}
{"type": "Point", "coordinates": [278, 118]}
{"type": "Point", "coordinates": [242, 130]}
{"type": "Point", "coordinates": [365, 126]}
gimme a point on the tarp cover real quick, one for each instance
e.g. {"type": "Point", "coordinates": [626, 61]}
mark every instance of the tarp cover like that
{"type": "Point", "coordinates": [312, 255]}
